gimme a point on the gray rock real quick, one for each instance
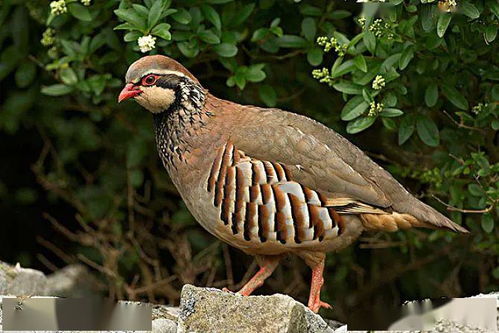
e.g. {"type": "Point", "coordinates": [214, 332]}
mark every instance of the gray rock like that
{"type": "Point", "coordinates": [164, 326]}
{"type": "Point", "coordinates": [18, 281]}
{"type": "Point", "coordinates": [71, 281]}
{"type": "Point", "coordinates": [211, 310]}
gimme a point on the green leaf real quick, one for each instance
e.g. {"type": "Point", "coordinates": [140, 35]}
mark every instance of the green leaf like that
{"type": "Point", "coordinates": [487, 223]}
{"type": "Point", "coordinates": [141, 10]}
{"type": "Point", "coordinates": [348, 88]}
{"type": "Point", "coordinates": [68, 76]}
{"type": "Point", "coordinates": [390, 100]}
{"type": "Point", "coordinates": [406, 129]}
{"type": "Point", "coordinates": [360, 124]}
{"type": "Point", "coordinates": [455, 97]}
{"type": "Point", "coordinates": [308, 10]}
{"type": "Point", "coordinates": [428, 131]}
{"type": "Point", "coordinates": [344, 68]}
{"type": "Point", "coordinates": [308, 28]}
{"type": "Point", "coordinates": [431, 95]}
{"type": "Point", "coordinates": [130, 16]}
{"type": "Point", "coordinates": [209, 37]}
{"type": "Point", "coordinates": [124, 26]}
{"type": "Point", "coordinates": [182, 16]}
{"type": "Point", "coordinates": [339, 14]}
{"type": "Point", "coordinates": [368, 76]}
{"type": "Point", "coordinates": [212, 16]}
{"type": "Point", "coordinates": [242, 15]}
{"type": "Point", "coordinates": [495, 125]}
{"type": "Point", "coordinates": [391, 113]}
{"type": "Point", "coordinates": [369, 41]}
{"type": "Point", "coordinates": [443, 23]}
{"type": "Point", "coordinates": [255, 73]}
{"type": "Point", "coordinates": [79, 11]}
{"type": "Point", "coordinates": [162, 30]}
{"type": "Point", "coordinates": [406, 57]}
{"type": "Point", "coordinates": [360, 63]}
{"type": "Point", "coordinates": [469, 9]}
{"type": "Point", "coordinates": [314, 56]}
{"type": "Point", "coordinates": [490, 33]}
{"type": "Point", "coordinates": [190, 50]}
{"type": "Point", "coordinates": [268, 95]}
{"type": "Point", "coordinates": [428, 15]}
{"type": "Point", "coordinates": [291, 41]}
{"type": "Point", "coordinates": [225, 50]}
{"type": "Point", "coordinates": [56, 90]}
{"type": "Point", "coordinates": [354, 108]}
{"type": "Point", "coordinates": [131, 36]}
{"type": "Point", "coordinates": [368, 97]}
{"type": "Point", "coordinates": [155, 13]}
{"type": "Point", "coordinates": [389, 124]}
{"type": "Point", "coordinates": [475, 190]}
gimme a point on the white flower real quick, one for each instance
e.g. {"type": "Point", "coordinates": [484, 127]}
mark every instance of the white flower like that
{"type": "Point", "coordinates": [58, 7]}
{"type": "Point", "coordinates": [378, 82]}
{"type": "Point", "coordinates": [48, 37]}
{"type": "Point", "coordinates": [86, 2]}
{"type": "Point", "coordinates": [375, 109]}
{"type": "Point", "coordinates": [146, 43]}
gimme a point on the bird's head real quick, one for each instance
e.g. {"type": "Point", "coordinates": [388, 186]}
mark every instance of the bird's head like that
{"type": "Point", "coordinates": [158, 82]}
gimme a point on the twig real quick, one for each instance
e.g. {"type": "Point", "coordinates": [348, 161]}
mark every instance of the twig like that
{"type": "Point", "coordinates": [461, 124]}
{"type": "Point", "coordinates": [96, 266]}
{"type": "Point", "coordinates": [46, 262]}
{"type": "Point", "coordinates": [471, 211]}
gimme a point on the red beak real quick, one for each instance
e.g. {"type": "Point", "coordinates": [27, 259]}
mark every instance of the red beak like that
{"type": "Point", "coordinates": [129, 91]}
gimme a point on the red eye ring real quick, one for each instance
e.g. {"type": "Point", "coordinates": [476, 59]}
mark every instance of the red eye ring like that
{"type": "Point", "coordinates": [149, 80]}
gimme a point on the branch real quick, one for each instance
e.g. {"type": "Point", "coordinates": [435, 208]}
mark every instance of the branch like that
{"type": "Point", "coordinates": [471, 211]}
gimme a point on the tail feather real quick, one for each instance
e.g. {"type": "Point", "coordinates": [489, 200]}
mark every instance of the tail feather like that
{"type": "Point", "coordinates": [404, 215]}
{"type": "Point", "coordinates": [391, 222]}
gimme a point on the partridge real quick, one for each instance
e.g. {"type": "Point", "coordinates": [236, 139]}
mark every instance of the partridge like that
{"type": "Point", "coordinates": [267, 181]}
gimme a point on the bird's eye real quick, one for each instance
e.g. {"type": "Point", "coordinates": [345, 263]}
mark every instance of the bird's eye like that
{"type": "Point", "coordinates": [149, 80]}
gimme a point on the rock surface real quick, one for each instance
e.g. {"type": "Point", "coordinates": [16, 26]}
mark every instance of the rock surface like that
{"type": "Point", "coordinates": [71, 281]}
{"type": "Point", "coordinates": [15, 280]}
{"type": "Point", "coordinates": [201, 309]}
{"type": "Point", "coordinates": [210, 310]}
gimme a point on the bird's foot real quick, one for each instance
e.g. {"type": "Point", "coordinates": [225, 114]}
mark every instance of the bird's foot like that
{"type": "Point", "coordinates": [316, 306]}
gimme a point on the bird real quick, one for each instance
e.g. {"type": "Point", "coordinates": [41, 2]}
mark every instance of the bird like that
{"type": "Point", "coordinates": [266, 181]}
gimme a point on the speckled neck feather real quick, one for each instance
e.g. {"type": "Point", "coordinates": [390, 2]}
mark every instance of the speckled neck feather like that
{"type": "Point", "coordinates": [175, 126]}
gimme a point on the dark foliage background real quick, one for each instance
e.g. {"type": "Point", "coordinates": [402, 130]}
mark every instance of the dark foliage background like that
{"type": "Point", "coordinates": [414, 83]}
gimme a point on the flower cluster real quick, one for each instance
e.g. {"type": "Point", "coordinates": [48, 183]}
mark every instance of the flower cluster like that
{"type": "Point", "coordinates": [447, 6]}
{"type": "Point", "coordinates": [375, 109]}
{"type": "Point", "coordinates": [378, 82]}
{"type": "Point", "coordinates": [478, 108]}
{"type": "Point", "coordinates": [48, 37]}
{"type": "Point", "coordinates": [53, 52]}
{"type": "Point", "coordinates": [146, 43]}
{"type": "Point", "coordinates": [86, 2]}
{"type": "Point", "coordinates": [322, 75]}
{"type": "Point", "coordinates": [330, 43]}
{"type": "Point", "coordinates": [380, 28]}
{"type": "Point", "coordinates": [362, 21]}
{"type": "Point", "coordinates": [58, 7]}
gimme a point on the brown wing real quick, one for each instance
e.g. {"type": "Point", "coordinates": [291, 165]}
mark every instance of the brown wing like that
{"type": "Point", "coordinates": [259, 200]}
{"type": "Point", "coordinates": [321, 159]}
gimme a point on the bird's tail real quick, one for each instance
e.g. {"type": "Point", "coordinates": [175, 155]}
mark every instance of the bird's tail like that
{"type": "Point", "coordinates": [423, 217]}
{"type": "Point", "coordinates": [404, 214]}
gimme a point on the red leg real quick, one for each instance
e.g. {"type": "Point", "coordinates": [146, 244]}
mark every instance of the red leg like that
{"type": "Point", "coordinates": [266, 269]}
{"type": "Point", "coordinates": [314, 300]}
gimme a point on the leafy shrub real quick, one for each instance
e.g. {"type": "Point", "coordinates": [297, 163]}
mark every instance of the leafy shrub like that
{"type": "Point", "coordinates": [415, 81]}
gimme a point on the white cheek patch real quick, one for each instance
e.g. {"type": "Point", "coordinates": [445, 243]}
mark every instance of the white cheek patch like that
{"type": "Point", "coordinates": [156, 99]}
